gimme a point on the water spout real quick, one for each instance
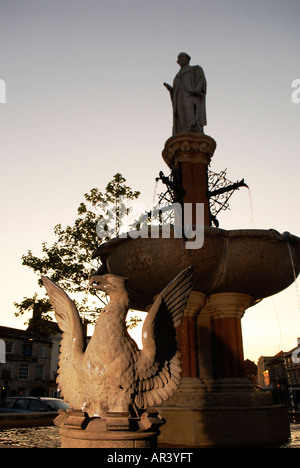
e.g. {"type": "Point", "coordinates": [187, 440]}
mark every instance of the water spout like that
{"type": "Point", "coordinates": [289, 239]}
{"type": "Point", "coordinates": [251, 207]}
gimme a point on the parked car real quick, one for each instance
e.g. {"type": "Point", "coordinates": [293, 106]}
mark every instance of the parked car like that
{"type": "Point", "coordinates": [31, 404]}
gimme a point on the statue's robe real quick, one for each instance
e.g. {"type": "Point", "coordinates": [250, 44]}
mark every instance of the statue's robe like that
{"type": "Point", "coordinates": [188, 98]}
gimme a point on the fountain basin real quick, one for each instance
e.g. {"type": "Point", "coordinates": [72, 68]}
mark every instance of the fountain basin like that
{"type": "Point", "coordinates": [254, 262]}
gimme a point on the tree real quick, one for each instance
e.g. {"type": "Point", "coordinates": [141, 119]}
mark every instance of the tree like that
{"type": "Point", "coordinates": [69, 260]}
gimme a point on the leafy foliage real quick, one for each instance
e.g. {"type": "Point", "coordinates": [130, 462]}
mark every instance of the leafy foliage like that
{"type": "Point", "coordinates": [69, 260]}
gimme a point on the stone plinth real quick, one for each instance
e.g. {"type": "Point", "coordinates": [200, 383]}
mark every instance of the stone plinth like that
{"type": "Point", "coordinates": [231, 413]}
{"type": "Point", "coordinates": [116, 430]}
{"type": "Point", "coordinates": [217, 427]}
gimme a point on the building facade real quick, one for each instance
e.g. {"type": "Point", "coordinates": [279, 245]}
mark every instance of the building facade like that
{"type": "Point", "coordinates": [30, 361]}
{"type": "Point", "coordinates": [281, 375]}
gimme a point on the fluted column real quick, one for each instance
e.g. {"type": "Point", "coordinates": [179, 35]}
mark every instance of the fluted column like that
{"type": "Point", "coordinates": [227, 310]}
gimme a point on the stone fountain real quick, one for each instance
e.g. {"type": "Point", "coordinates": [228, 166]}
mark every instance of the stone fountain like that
{"type": "Point", "coordinates": [215, 405]}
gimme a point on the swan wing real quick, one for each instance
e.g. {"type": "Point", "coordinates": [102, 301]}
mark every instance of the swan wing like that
{"type": "Point", "coordinates": [70, 378]}
{"type": "Point", "coordinates": [158, 368]}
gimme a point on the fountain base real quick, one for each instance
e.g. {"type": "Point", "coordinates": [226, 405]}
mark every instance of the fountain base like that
{"type": "Point", "coordinates": [231, 414]}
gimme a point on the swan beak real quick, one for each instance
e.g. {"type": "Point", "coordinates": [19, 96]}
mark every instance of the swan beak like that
{"type": "Point", "coordinates": [96, 282]}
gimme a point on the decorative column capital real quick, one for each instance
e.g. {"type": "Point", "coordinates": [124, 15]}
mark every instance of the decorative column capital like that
{"type": "Point", "coordinates": [195, 303]}
{"type": "Point", "coordinates": [194, 147]}
{"type": "Point", "coordinates": [225, 305]}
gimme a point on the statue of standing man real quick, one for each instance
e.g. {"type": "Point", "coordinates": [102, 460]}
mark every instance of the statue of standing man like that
{"type": "Point", "coordinates": [188, 95]}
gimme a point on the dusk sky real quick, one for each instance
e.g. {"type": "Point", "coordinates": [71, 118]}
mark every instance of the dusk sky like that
{"type": "Point", "coordinates": [85, 100]}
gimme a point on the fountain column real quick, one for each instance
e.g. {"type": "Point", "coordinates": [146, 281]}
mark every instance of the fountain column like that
{"type": "Point", "coordinates": [227, 310]}
{"type": "Point", "coordinates": [186, 334]}
{"type": "Point", "coordinates": [188, 155]}
{"type": "Point", "coordinates": [204, 345]}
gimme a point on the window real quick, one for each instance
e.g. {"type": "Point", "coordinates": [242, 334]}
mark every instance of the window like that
{"type": "Point", "coordinates": [55, 405]}
{"type": "Point", "coordinates": [24, 371]}
{"type": "Point", "coordinates": [27, 348]}
{"type": "Point", "coordinates": [41, 351]}
{"type": "Point", "coordinates": [9, 347]}
{"type": "Point", "coordinates": [21, 403]}
{"type": "Point", "coordinates": [39, 372]}
{"type": "Point", "coordinates": [8, 403]}
{"type": "Point", "coordinates": [7, 370]}
{"type": "Point", "coordinates": [36, 405]}
{"type": "Point", "coordinates": [2, 351]}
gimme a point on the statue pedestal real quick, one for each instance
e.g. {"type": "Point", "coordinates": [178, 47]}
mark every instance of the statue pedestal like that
{"type": "Point", "coordinates": [116, 430]}
{"type": "Point", "coordinates": [188, 155]}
